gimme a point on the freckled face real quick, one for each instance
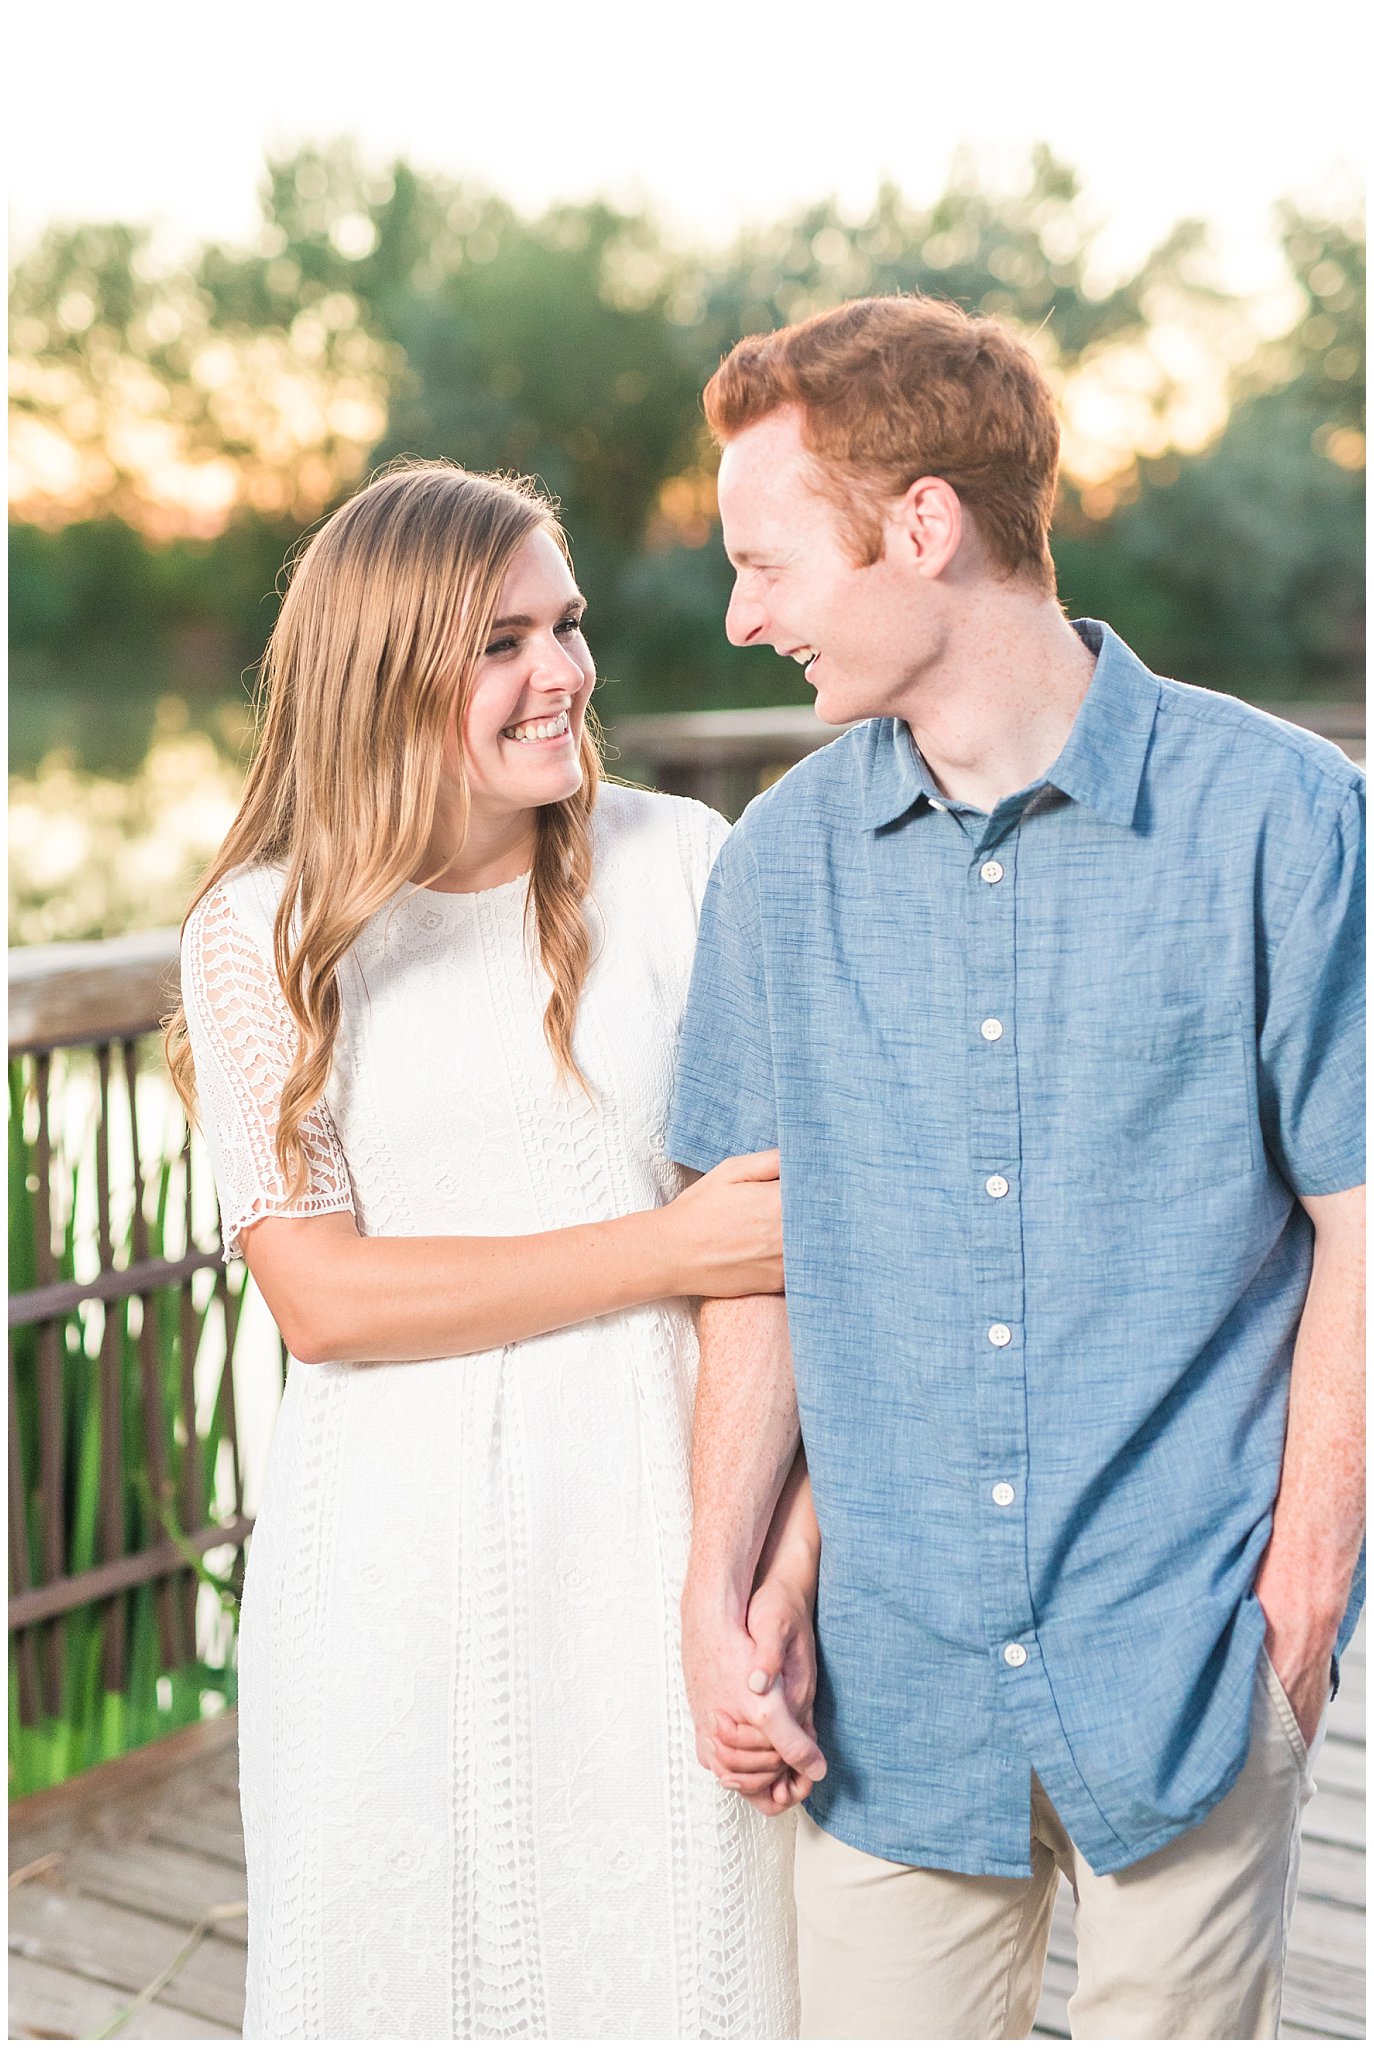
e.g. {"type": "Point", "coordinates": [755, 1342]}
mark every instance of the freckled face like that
{"type": "Point", "coordinates": [522, 727]}
{"type": "Point", "coordinates": [797, 587]}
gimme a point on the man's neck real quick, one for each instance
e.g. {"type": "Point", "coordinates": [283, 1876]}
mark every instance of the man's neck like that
{"type": "Point", "coordinates": [991, 715]}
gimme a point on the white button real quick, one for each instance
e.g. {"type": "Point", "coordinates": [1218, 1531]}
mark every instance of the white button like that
{"type": "Point", "coordinates": [999, 1335]}
{"type": "Point", "coordinates": [997, 1187]}
{"type": "Point", "coordinates": [992, 871]}
{"type": "Point", "coordinates": [1015, 1655]}
{"type": "Point", "coordinates": [935, 804]}
{"type": "Point", "coordinates": [1003, 1494]}
{"type": "Point", "coordinates": [991, 1030]}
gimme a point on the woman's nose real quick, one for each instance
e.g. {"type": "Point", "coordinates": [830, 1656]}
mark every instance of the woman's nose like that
{"type": "Point", "coordinates": [555, 668]}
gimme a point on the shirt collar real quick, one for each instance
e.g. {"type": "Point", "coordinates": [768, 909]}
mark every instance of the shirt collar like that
{"type": "Point", "coordinates": [1103, 757]}
{"type": "Point", "coordinates": [1100, 765]}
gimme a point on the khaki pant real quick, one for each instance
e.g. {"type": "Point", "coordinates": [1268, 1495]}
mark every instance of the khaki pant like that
{"type": "Point", "coordinates": [1186, 1945]}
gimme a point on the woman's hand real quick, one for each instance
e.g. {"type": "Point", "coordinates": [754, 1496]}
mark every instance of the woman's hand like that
{"type": "Point", "coordinates": [724, 1233]}
{"type": "Point", "coordinates": [769, 1751]}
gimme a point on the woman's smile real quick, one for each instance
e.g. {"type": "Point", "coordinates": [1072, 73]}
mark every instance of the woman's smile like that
{"type": "Point", "coordinates": [535, 732]}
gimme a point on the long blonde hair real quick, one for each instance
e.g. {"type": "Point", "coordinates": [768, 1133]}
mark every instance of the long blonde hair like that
{"type": "Point", "coordinates": [385, 619]}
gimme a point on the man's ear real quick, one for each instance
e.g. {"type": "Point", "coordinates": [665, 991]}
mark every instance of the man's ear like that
{"type": "Point", "coordinates": [929, 524]}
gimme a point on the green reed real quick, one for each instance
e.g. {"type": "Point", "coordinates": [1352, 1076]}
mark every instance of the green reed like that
{"type": "Point", "coordinates": [95, 1722]}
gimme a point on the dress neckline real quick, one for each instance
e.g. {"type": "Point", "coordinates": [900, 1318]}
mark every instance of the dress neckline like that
{"type": "Point", "coordinates": [417, 891]}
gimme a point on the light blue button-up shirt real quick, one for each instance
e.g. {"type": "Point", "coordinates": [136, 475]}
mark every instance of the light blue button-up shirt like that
{"type": "Point", "coordinates": [1046, 1083]}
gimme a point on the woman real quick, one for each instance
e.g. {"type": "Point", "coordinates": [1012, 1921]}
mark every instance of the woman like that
{"type": "Point", "coordinates": [431, 989]}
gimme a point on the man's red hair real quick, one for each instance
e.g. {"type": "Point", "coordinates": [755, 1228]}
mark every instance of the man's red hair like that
{"type": "Point", "coordinates": [893, 389]}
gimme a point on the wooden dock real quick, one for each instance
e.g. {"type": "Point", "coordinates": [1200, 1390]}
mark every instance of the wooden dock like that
{"type": "Point", "coordinates": [132, 1876]}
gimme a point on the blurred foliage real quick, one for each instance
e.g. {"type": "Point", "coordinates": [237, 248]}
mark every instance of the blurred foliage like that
{"type": "Point", "coordinates": [1243, 565]}
{"type": "Point", "coordinates": [180, 422]}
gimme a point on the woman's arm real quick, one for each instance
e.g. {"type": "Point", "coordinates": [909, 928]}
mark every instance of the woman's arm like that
{"type": "Point", "coordinates": [338, 1296]}
{"type": "Point", "coordinates": [792, 1548]}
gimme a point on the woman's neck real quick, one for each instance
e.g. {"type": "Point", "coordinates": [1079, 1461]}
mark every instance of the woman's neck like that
{"type": "Point", "coordinates": [493, 850]}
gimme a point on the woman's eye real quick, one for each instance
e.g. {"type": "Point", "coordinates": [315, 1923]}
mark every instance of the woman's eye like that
{"type": "Point", "coordinates": [500, 647]}
{"type": "Point", "coordinates": [573, 624]}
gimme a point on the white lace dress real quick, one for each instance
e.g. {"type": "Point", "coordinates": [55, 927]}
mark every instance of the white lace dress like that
{"type": "Point", "coordinates": [471, 1803]}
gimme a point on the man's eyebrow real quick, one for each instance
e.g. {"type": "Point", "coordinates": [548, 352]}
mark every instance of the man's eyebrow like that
{"type": "Point", "coordinates": [524, 619]}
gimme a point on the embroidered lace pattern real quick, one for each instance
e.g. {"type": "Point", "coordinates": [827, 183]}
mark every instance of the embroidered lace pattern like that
{"type": "Point", "coordinates": [244, 1038]}
{"type": "Point", "coordinates": [472, 1806]}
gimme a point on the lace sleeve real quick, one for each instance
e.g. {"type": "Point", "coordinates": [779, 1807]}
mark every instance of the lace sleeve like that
{"type": "Point", "coordinates": [701, 834]}
{"type": "Point", "coordinates": [243, 1038]}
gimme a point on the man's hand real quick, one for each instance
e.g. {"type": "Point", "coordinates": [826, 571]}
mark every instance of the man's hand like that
{"type": "Point", "coordinates": [770, 1755]}
{"type": "Point", "coordinates": [1300, 1637]}
{"type": "Point", "coordinates": [1304, 1578]}
{"type": "Point", "coordinates": [752, 1740]}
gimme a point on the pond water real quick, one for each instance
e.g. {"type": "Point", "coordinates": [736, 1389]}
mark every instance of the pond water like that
{"type": "Point", "coordinates": [117, 803]}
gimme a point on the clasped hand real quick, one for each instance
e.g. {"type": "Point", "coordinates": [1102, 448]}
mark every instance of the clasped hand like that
{"type": "Point", "coordinates": [752, 1690]}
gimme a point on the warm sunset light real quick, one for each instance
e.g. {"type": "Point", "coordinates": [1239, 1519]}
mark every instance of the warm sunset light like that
{"type": "Point", "coordinates": [340, 269]}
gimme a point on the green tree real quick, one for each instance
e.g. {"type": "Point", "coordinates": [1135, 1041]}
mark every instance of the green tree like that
{"type": "Point", "coordinates": [381, 310]}
{"type": "Point", "coordinates": [1241, 566]}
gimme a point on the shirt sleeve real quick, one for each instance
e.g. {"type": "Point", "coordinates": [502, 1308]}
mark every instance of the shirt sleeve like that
{"type": "Point", "coordinates": [243, 1040]}
{"type": "Point", "coordinates": [724, 1101]}
{"type": "Point", "coordinates": [1311, 1048]}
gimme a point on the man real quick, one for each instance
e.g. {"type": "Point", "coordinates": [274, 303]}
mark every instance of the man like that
{"type": "Point", "coordinates": [1045, 981]}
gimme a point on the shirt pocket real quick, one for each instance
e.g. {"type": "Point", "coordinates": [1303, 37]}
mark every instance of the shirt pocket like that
{"type": "Point", "coordinates": [1154, 1105]}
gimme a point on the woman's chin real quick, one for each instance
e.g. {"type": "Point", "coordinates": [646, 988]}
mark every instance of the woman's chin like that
{"type": "Point", "coordinates": [549, 781]}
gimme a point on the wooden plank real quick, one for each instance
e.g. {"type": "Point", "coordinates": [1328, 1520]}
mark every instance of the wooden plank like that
{"type": "Point", "coordinates": [1321, 1992]}
{"type": "Point", "coordinates": [100, 988]}
{"type": "Point", "coordinates": [122, 1574]}
{"type": "Point", "coordinates": [112, 1783]}
{"type": "Point", "coordinates": [46, 2004]}
{"type": "Point", "coordinates": [1341, 1765]}
{"type": "Point", "coordinates": [59, 1298]}
{"type": "Point", "coordinates": [222, 1774]}
{"type": "Point", "coordinates": [51, 1372]}
{"type": "Point", "coordinates": [21, 1568]}
{"type": "Point", "coordinates": [214, 1832]}
{"type": "Point", "coordinates": [125, 1950]}
{"type": "Point", "coordinates": [157, 1878]}
{"type": "Point", "coordinates": [790, 731]}
{"type": "Point", "coordinates": [709, 739]}
{"type": "Point", "coordinates": [1321, 1929]}
{"type": "Point", "coordinates": [1052, 2014]}
{"type": "Point", "coordinates": [1333, 1815]}
{"type": "Point", "coordinates": [1329, 1871]}
{"type": "Point", "coordinates": [1347, 1709]}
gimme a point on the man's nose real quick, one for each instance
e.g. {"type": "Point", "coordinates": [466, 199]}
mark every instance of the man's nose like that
{"type": "Point", "coordinates": [744, 619]}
